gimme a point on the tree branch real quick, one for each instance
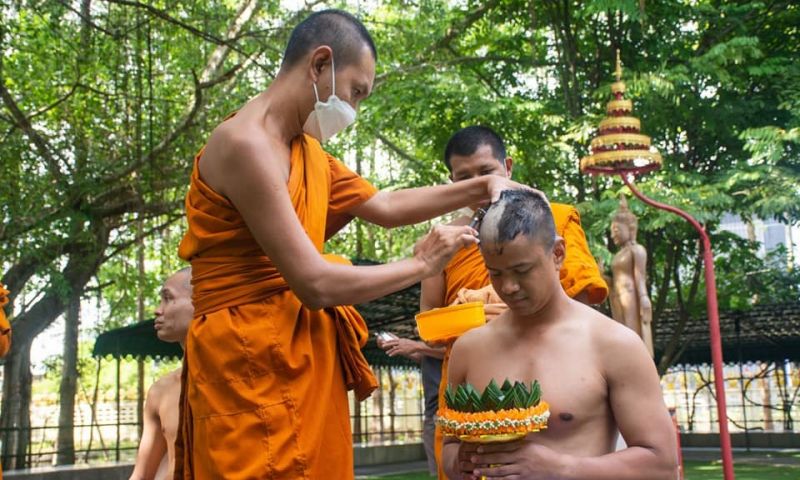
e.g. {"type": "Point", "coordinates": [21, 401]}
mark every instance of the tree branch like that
{"type": "Point", "coordinates": [24, 124]}
{"type": "Point", "coordinates": [454, 30]}
{"type": "Point", "coordinates": [122, 246]}
{"type": "Point", "coordinates": [411, 68]}
{"type": "Point", "coordinates": [402, 153]}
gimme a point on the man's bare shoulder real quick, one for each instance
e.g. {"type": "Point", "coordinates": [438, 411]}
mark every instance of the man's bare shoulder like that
{"type": "Point", "coordinates": [601, 326]}
{"type": "Point", "coordinates": [478, 338]}
{"type": "Point", "coordinates": [163, 385]}
{"type": "Point", "coordinates": [611, 338]}
{"type": "Point", "coordinates": [237, 140]}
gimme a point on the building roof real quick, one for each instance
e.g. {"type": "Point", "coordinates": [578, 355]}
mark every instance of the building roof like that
{"type": "Point", "coordinates": [769, 332]}
{"type": "Point", "coordinates": [138, 340]}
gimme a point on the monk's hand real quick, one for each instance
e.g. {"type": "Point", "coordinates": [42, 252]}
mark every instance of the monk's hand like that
{"type": "Point", "coordinates": [440, 244]}
{"type": "Point", "coordinates": [402, 346]}
{"type": "Point", "coordinates": [495, 184]}
{"type": "Point", "coordinates": [519, 459]}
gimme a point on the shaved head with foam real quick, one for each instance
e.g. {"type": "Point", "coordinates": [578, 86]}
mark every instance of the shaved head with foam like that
{"type": "Point", "coordinates": [518, 212]}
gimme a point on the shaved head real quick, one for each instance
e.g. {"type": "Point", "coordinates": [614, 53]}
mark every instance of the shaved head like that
{"type": "Point", "coordinates": [341, 31]}
{"type": "Point", "coordinates": [185, 276]}
{"type": "Point", "coordinates": [466, 142]}
{"type": "Point", "coordinates": [175, 311]}
{"type": "Point", "coordinates": [518, 212]}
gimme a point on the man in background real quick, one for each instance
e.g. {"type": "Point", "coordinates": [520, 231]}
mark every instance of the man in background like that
{"type": "Point", "coordinates": [156, 457]}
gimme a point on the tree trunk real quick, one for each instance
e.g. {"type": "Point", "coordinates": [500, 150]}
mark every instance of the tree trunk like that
{"type": "Point", "coordinates": [69, 384]}
{"type": "Point", "coordinates": [140, 318]}
{"type": "Point", "coordinates": [82, 264]}
{"type": "Point", "coordinates": [15, 419]}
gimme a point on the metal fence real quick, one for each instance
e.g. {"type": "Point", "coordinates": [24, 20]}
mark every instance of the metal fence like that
{"type": "Point", "coordinates": [761, 397]}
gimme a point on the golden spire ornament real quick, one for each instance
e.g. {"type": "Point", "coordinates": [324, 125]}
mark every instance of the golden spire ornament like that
{"type": "Point", "coordinates": [620, 146]}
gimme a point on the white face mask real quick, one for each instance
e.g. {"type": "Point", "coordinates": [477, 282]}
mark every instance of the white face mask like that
{"type": "Point", "coordinates": [330, 117]}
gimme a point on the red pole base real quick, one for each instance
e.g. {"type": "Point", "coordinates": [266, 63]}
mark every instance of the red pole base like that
{"type": "Point", "coordinates": [678, 437]}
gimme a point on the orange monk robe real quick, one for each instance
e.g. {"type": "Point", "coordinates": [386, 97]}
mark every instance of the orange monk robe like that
{"type": "Point", "coordinates": [5, 331]}
{"type": "Point", "coordinates": [265, 378]}
{"type": "Point", "coordinates": [579, 273]}
{"type": "Point", "coordinates": [5, 327]}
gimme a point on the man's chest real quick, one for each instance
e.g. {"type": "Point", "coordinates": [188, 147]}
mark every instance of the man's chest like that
{"type": "Point", "coordinates": [571, 383]}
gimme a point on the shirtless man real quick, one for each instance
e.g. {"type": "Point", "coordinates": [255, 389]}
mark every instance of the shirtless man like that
{"type": "Point", "coordinates": [156, 457]}
{"type": "Point", "coordinates": [596, 374]}
{"type": "Point", "coordinates": [478, 151]}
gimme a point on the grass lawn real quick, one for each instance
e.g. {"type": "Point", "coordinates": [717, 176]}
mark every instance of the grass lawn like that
{"type": "Point", "coordinates": [713, 470]}
{"type": "Point", "coordinates": [694, 471]}
{"type": "Point", "coordinates": [407, 476]}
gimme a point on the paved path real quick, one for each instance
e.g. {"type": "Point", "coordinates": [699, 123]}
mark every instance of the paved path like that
{"type": "Point", "coordinates": [756, 456]}
{"type": "Point", "coordinates": [391, 469]}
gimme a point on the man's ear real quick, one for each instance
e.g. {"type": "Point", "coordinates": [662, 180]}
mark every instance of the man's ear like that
{"type": "Point", "coordinates": [559, 252]}
{"type": "Point", "coordinates": [319, 59]}
{"type": "Point", "coordinates": [509, 164]}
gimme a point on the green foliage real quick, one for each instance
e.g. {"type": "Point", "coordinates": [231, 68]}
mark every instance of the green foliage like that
{"type": "Point", "coordinates": [465, 398]}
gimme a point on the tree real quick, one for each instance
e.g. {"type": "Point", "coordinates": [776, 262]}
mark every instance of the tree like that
{"type": "Point", "coordinates": [105, 149]}
{"type": "Point", "coordinates": [103, 105]}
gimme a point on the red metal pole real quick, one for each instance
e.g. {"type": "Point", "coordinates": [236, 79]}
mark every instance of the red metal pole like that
{"type": "Point", "coordinates": [673, 414]}
{"type": "Point", "coordinates": [713, 326]}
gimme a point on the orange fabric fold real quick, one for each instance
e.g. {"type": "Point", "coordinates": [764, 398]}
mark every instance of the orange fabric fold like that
{"type": "Point", "coordinates": [265, 378]}
{"type": "Point", "coordinates": [579, 272]}
{"type": "Point", "coordinates": [466, 277]}
{"type": "Point", "coordinates": [5, 332]}
{"type": "Point", "coordinates": [5, 326]}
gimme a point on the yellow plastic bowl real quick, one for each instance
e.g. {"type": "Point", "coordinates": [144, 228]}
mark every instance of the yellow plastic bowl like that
{"type": "Point", "coordinates": [450, 322]}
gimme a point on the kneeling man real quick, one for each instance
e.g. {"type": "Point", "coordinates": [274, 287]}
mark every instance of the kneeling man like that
{"type": "Point", "coordinates": [156, 457]}
{"type": "Point", "coordinates": [596, 374]}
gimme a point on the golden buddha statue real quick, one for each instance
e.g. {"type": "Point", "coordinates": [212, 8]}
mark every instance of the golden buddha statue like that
{"type": "Point", "coordinates": [630, 304]}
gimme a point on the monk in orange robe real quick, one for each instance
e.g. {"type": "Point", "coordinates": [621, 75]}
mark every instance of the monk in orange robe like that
{"type": "Point", "coordinates": [5, 331]}
{"type": "Point", "coordinates": [473, 152]}
{"type": "Point", "coordinates": [271, 351]}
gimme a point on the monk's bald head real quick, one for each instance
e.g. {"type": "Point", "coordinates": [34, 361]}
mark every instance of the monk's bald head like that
{"type": "Point", "coordinates": [341, 31]}
{"type": "Point", "coordinates": [518, 212]}
{"type": "Point", "coordinates": [182, 279]}
{"type": "Point", "coordinates": [175, 311]}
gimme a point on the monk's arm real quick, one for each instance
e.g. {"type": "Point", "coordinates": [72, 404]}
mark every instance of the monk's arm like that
{"type": "Point", "coordinates": [414, 205]}
{"type": "Point", "coordinates": [638, 408]}
{"type": "Point", "coordinates": [153, 446]}
{"type": "Point", "coordinates": [432, 293]}
{"type": "Point", "coordinates": [257, 189]}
